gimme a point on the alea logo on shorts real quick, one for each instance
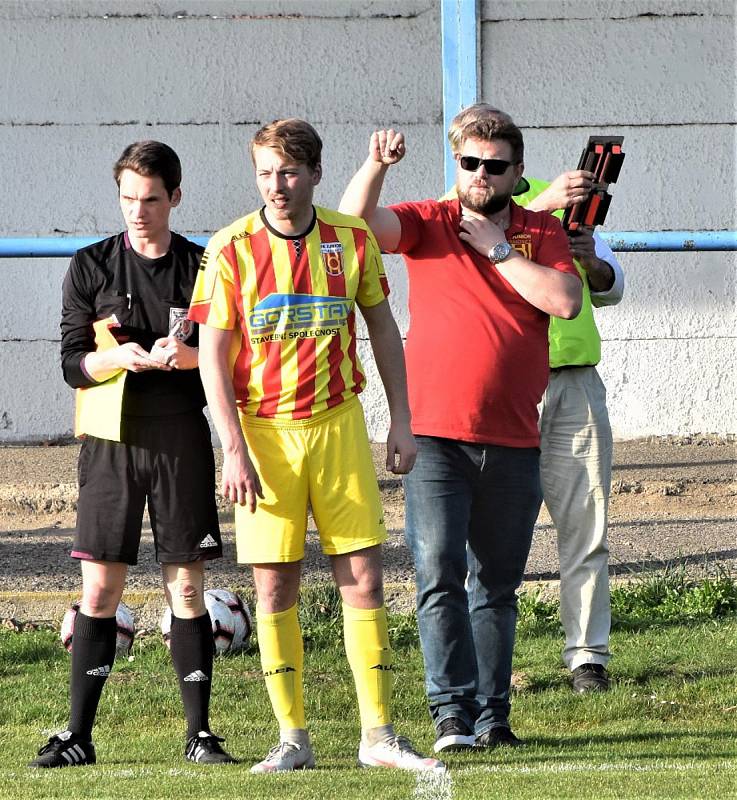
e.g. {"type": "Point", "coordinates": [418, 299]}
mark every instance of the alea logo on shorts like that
{"type": "Point", "coordinates": [332, 257]}
{"type": "Point", "coordinates": [298, 316]}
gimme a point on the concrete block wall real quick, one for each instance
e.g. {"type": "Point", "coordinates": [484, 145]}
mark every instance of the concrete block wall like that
{"type": "Point", "coordinates": [662, 74]}
{"type": "Point", "coordinates": [84, 78]}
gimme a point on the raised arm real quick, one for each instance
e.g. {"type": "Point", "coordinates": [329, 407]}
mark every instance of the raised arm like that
{"type": "Point", "coordinates": [240, 483]}
{"type": "Point", "coordinates": [386, 343]}
{"type": "Point", "coordinates": [361, 197]}
{"type": "Point", "coordinates": [603, 271]}
{"type": "Point", "coordinates": [566, 190]}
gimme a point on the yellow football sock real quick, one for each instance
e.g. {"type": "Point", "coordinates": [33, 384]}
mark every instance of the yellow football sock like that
{"type": "Point", "coordinates": [370, 656]}
{"type": "Point", "coordinates": [282, 654]}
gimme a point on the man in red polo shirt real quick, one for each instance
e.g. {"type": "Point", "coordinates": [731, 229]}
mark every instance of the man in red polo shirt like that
{"type": "Point", "coordinates": [484, 277]}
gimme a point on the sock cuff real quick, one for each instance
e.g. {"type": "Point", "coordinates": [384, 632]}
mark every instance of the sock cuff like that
{"type": "Point", "coordinates": [193, 625]}
{"type": "Point", "coordinates": [297, 735]}
{"type": "Point", "coordinates": [380, 733]}
{"type": "Point", "coordinates": [277, 617]}
{"type": "Point", "coordinates": [364, 614]}
{"type": "Point", "coordinates": [94, 627]}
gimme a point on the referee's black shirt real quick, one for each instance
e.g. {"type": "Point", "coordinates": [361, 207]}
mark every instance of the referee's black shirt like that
{"type": "Point", "coordinates": [147, 296]}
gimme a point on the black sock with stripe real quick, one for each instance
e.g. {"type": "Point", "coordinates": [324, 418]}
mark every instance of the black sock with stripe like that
{"type": "Point", "coordinates": [192, 650]}
{"type": "Point", "coordinates": [93, 654]}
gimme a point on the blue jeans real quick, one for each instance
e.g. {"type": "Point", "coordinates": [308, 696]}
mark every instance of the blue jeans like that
{"type": "Point", "coordinates": [471, 510]}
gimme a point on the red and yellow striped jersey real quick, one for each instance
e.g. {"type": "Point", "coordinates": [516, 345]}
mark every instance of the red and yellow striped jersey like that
{"type": "Point", "coordinates": [291, 305]}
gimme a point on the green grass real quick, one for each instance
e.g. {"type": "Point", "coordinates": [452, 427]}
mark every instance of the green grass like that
{"type": "Point", "coordinates": [667, 729]}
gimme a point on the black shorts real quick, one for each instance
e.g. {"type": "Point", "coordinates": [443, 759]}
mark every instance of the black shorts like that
{"type": "Point", "coordinates": [165, 460]}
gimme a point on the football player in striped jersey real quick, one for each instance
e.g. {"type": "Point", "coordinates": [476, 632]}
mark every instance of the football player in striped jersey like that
{"type": "Point", "coordinates": [276, 299]}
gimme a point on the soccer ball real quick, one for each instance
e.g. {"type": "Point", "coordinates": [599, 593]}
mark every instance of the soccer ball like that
{"type": "Point", "coordinates": [241, 615]}
{"type": "Point", "coordinates": [231, 621]}
{"type": "Point", "coordinates": [126, 628]}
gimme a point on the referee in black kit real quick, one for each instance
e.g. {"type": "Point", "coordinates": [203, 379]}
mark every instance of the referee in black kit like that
{"type": "Point", "coordinates": [136, 286]}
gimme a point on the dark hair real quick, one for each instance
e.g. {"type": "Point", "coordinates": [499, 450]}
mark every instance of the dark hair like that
{"type": "Point", "coordinates": [150, 158]}
{"type": "Point", "coordinates": [294, 138]}
{"type": "Point", "coordinates": [482, 121]}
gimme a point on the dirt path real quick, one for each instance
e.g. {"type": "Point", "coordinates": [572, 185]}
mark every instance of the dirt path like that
{"type": "Point", "coordinates": [674, 501]}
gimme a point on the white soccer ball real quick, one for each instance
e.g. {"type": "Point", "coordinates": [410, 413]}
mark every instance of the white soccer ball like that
{"type": "Point", "coordinates": [243, 623]}
{"type": "Point", "coordinates": [231, 621]}
{"type": "Point", "coordinates": [123, 617]}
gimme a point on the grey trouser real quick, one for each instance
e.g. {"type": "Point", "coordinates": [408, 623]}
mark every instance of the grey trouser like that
{"type": "Point", "coordinates": [576, 472]}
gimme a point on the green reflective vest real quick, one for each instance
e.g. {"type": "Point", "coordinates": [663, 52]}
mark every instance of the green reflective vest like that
{"type": "Point", "coordinates": [572, 341]}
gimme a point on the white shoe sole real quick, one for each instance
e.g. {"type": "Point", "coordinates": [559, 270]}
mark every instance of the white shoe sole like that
{"type": "Point", "coordinates": [257, 770]}
{"type": "Point", "coordinates": [453, 742]}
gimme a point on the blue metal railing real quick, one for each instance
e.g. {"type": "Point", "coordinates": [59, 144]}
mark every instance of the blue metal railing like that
{"type": "Point", "coordinates": [460, 46]}
{"type": "Point", "coordinates": [619, 241]}
{"type": "Point", "coordinates": [56, 246]}
{"type": "Point", "coordinates": [459, 30]}
{"type": "Point", "coordinates": [668, 241]}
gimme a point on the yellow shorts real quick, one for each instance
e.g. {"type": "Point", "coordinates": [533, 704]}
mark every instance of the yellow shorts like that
{"type": "Point", "coordinates": [324, 462]}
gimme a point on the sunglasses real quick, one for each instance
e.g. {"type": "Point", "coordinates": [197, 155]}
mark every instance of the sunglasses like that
{"type": "Point", "coordinates": [493, 166]}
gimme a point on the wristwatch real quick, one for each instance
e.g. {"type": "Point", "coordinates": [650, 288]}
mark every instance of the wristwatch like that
{"type": "Point", "coordinates": [499, 252]}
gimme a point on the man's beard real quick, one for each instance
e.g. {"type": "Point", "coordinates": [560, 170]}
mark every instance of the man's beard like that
{"type": "Point", "coordinates": [487, 206]}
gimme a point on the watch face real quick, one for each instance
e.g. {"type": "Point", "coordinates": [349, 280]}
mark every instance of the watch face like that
{"type": "Point", "coordinates": [501, 251]}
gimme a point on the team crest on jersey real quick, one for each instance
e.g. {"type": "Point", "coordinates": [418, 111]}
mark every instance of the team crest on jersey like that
{"type": "Point", "coordinates": [179, 326]}
{"type": "Point", "coordinates": [522, 243]}
{"type": "Point", "coordinates": [332, 257]}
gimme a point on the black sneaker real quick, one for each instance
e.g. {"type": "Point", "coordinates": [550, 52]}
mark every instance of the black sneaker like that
{"type": "Point", "coordinates": [65, 749]}
{"type": "Point", "coordinates": [204, 748]}
{"type": "Point", "coordinates": [498, 737]}
{"type": "Point", "coordinates": [453, 734]}
{"type": "Point", "coordinates": [590, 678]}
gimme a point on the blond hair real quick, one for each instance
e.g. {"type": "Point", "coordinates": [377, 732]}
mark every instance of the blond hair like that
{"type": "Point", "coordinates": [294, 138]}
{"type": "Point", "coordinates": [484, 121]}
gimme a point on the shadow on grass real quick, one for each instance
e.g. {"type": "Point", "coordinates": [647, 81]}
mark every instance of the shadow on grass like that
{"type": "Point", "coordinates": [682, 675]}
{"type": "Point", "coordinates": [725, 735]}
{"type": "Point", "coordinates": [643, 678]}
{"type": "Point", "coordinates": [643, 624]}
